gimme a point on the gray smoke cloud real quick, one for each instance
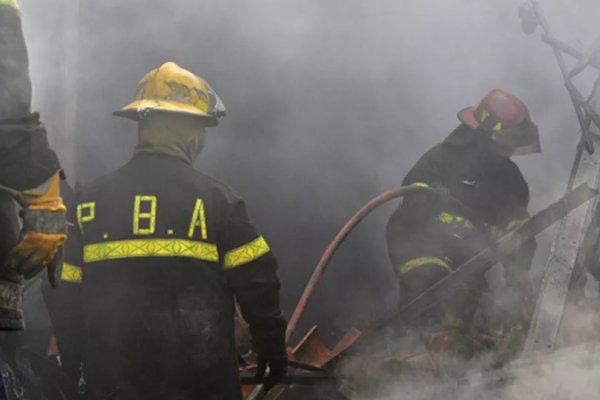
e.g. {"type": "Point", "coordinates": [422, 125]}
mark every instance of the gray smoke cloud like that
{"type": "Point", "coordinates": [329, 103]}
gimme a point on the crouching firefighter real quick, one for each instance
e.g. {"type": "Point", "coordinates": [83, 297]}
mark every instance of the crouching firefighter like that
{"type": "Point", "coordinates": [483, 196]}
{"type": "Point", "coordinates": [166, 250]}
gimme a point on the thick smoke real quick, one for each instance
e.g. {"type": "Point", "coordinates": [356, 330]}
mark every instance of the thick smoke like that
{"type": "Point", "coordinates": [329, 104]}
{"type": "Point", "coordinates": [567, 374]}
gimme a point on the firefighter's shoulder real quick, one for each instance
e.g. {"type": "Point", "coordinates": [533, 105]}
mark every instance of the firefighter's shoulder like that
{"type": "Point", "coordinates": [220, 190]}
{"type": "Point", "coordinates": [96, 185]}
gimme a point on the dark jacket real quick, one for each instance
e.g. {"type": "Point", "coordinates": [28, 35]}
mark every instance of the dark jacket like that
{"type": "Point", "coordinates": [63, 303]}
{"type": "Point", "coordinates": [166, 249]}
{"type": "Point", "coordinates": [429, 237]}
{"type": "Point", "coordinates": [26, 160]}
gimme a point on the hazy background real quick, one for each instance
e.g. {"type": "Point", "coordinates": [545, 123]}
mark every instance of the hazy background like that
{"type": "Point", "coordinates": [329, 104]}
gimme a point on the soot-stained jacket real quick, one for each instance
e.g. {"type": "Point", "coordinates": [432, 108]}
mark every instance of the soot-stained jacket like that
{"type": "Point", "coordinates": [26, 160]}
{"type": "Point", "coordinates": [63, 302]}
{"type": "Point", "coordinates": [428, 238]}
{"type": "Point", "coordinates": [165, 250]}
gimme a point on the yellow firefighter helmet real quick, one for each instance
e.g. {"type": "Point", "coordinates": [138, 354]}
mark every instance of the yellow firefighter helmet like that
{"type": "Point", "coordinates": [170, 88]}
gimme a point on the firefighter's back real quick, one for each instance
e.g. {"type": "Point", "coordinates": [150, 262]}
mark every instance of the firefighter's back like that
{"type": "Point", "coordinates": [155, 299]}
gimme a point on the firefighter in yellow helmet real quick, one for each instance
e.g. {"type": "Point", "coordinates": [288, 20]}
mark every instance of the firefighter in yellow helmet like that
{"type": "Point", "coordinates": [166, 250]}
{"type": "Point", "coordinates": [29, 174]}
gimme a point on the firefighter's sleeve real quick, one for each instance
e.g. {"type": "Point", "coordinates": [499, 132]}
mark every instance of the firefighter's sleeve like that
{"type": "Point", "coordinates": [29, 169]}
{"type": "Point", "coordinates": [26, 160]}
{"type": "Point", "coordinates": [413, 211]}
{"type": "Point", "coordinates": [15, 96]}
{"type": "Point", "coordinates": [251, 273]}
{"type": "Point", "coordinates": [64, 305]}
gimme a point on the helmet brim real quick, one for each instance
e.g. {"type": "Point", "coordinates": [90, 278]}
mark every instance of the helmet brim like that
{"type": "Point", "coordinates": [136, 110]}
{"type": "Point", "coordinates": [467, 117]}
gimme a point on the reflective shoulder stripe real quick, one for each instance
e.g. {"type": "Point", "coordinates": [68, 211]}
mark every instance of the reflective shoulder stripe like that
{"type": "Point", "coordinates": [10, 3]}
{"type": "Point", "coordinates": [150, 248]}
{"type": "Point", "coordinates": [418, 262]}
{"type": "Point", "coordinates": [246, 253]}
{"type": "Point", "coordinates": [71, 273]}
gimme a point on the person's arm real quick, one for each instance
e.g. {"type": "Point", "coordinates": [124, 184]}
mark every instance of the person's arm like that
{"type": "Point", "coordinates": [15, 96]}
{"type": "Point", "coordinates": [414, 211]}
{"type": "Point", "coordinates": [29, 172]}
{"type": "Point", "coordinates": [251, 274]}
{"type": "Point", "coordinates": [29, 169]}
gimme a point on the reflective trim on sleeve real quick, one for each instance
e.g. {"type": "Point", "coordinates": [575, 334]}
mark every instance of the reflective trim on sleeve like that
{"type": "Point", "coordinates": [150, 248]}
{"type": "Point", "coordinates": [515, 224]}
{"type": "Point", "coordinates": [497, 232]}
{"type": "Point", "coordinates": [10, 3]}
{"type": "Point", "coordinates": [452, 219]}
{"type": "Point", "coordinates": [71, 273]}
{"type": "Point", "coordinates": [418, 262]}
{"type": "Point", "coordinates": [246, 253]}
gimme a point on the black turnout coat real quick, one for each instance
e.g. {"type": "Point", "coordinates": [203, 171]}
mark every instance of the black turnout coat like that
{"type": "Point", "coordinates": [165, 250]}
{"type": "Point", "coordinates": [429, 237]}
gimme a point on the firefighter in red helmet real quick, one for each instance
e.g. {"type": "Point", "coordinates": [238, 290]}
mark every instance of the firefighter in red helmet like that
{"type": "Point", "coordinates": [484, 196]}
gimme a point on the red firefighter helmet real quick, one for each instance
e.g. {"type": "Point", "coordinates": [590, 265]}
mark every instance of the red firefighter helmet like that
{"type": "Point", "coordinates": [507, 119]}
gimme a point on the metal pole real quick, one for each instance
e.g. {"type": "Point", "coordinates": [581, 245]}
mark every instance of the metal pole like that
{"type": "Point", "coordinates": [565, 73]}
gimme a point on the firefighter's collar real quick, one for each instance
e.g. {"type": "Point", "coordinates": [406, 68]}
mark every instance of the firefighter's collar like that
{"type": "Point", "coordinates": [463, 135]}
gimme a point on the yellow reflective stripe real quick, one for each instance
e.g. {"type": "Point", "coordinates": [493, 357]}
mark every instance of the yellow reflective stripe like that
{"type": "Point", "coordinates": [497, 127]}
{"type": "Point", "coordinates": [246, 253]}
{"type": "Point", "coordinates": [511, 226]}
{"type": "Point", "coordinates": [451, 219]}
{"type": "Point", "coordinates": [515, 224]}
{"type": "Point", "coordinates": [419, 184]}
{"type": "Point", "coordinates": [150, 248]}
{"type": "Point", "coordinates": [71, 273]}
{"type": "Point", "coordinates": [417, 262]}
{"type": "Point", "coordinates": [484, 115]}
{"type": "Point", "coordinates": [10, 3]}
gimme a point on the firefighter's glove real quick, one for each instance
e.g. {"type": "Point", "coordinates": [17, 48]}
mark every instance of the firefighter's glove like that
{"type": "Point", "coordinates": [42, 237]}
{"type": "Point", "coordinates": [43, 234]}
{"type": "Point", "coordinates": [277, 369]}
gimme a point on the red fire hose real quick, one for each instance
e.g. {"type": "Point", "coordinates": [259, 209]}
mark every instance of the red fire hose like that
{"type": "Point", "coordinates": [338, 240]}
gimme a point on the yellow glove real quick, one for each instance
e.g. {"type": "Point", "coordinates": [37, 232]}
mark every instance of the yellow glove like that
{"type": "Point", "coordinates": [43, 234]}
